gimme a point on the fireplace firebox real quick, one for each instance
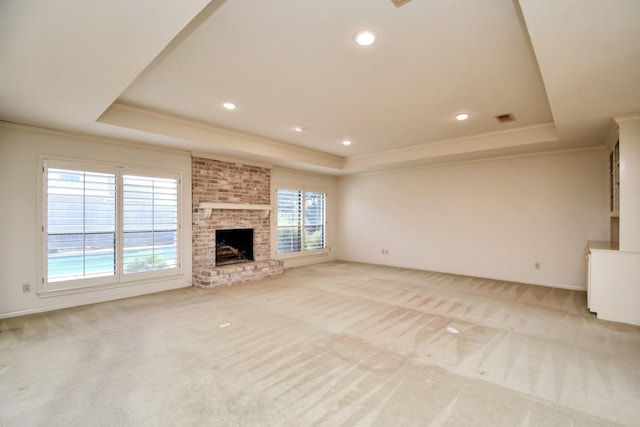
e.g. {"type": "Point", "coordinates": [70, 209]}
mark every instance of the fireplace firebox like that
{"type": "Point", "coordinates": [234, 246]}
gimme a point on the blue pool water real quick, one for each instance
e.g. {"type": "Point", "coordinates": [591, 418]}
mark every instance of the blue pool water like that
{"type": "Point", "coordinates": [62, 267]}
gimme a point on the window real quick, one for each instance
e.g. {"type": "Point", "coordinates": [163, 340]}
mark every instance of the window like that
{"type": "Point", "coordinates": [314, 221]}
{"type": "Point", "coordinates": [150, 225]}
{"type": "Point", "coordinates": [107, 225]}
{"type": "Point", "coordinates": [301, 221]}
{"type": "Point", "coordinates": [81, 224]}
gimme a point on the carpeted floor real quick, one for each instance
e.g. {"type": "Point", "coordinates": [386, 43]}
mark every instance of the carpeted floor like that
{"type": "Point", "coordinates": [332, 344]}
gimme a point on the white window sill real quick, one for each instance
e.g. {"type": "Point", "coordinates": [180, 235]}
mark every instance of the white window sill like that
{"type": "Point", "coordinates": [306, 254]}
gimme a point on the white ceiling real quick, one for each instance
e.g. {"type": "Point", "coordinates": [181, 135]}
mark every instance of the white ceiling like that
{"type": "Point", "coordinates": [158, 71]}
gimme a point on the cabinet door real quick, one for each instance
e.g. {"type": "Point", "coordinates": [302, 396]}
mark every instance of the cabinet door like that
{"type": "Point", "coordinates": [598, 269]}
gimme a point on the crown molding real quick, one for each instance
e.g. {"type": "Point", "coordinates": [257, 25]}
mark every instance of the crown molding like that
{"type": "Point", "coordinates": [537, 134]}
{"type": "Point", "coordinates": [92, 138]}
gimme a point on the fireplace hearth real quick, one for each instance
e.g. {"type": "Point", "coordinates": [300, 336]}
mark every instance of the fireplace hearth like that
{"type": "Point", "coordinates": [234, 246]}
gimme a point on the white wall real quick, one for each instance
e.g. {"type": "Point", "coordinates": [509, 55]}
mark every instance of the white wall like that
{"type": "Point", "coordinates": [20, 149]}
{"type": "Point", "coordinates": [492, 219]}
{"type": "Point", "coordinates": [290, 179]}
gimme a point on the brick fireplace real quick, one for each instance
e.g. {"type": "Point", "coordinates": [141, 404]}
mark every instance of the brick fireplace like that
{"type": "Point", "coordinates": [215, 181]}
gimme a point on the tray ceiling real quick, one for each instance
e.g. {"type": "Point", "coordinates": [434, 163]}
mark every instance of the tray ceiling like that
{"type": "Point", "coordinates": [156, 73]}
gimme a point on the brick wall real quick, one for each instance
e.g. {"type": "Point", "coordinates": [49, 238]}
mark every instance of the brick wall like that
{"type": "Point", "coordinates": [224, 182]}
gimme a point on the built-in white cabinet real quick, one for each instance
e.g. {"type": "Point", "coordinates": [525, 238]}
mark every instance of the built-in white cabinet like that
{"type": "Point", "coordinates": [614, 266]}
{"type": "Point", "coordinates": [614, 283]}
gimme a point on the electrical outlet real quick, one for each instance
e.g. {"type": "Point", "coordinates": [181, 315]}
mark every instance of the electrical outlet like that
{"type": "Point", "coordinates": [26, 288]}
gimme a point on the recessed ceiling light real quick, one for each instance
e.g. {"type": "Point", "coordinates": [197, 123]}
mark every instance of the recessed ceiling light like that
{"type": "Point", "coordinates": [364, 38]}
{"type": "Point", "coordinates": [462, 116]}
{"type": "Point", "coordinates": [229, 105]}
{"type": "Point", "coordinates": [298, 128]}
{"type": "Point", "coordinates": [346, 142]}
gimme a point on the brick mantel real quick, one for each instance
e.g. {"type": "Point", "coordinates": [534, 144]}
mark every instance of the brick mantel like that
{"type": "Point", "coordinates": [230, 191]}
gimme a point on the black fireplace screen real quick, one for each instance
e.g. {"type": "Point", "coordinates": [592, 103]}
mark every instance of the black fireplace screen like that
{"type": "Point", "coordinates": [234, 246]}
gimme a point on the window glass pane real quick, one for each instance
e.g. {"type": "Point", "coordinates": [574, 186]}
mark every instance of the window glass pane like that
{"type": "Point", "coordinates": [289, 221]}
{"type": "Point", "coordinates": [289, 239]}
{"type": "Point", "coordinates": [81, 224]}
{"type": "Point", "coordinates": [166, 254]}
{"type": "Point", "coordinates": [314, 221]}
{"type": "Point", "coordinates": [165, 196]}
{"type": "Point", "coordinates": [289, 207]}
{"type": "Point", "coordinates": [150, 212]}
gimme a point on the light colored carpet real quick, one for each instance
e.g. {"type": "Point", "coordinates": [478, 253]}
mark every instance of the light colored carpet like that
{"type": "Point", "coordinates": [332, 344]}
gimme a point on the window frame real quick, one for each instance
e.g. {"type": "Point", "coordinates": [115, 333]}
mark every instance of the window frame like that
{"type": "Point", "coordinates": [302, 252]}
{"type": "Point", "coordinates": [120, 278]}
